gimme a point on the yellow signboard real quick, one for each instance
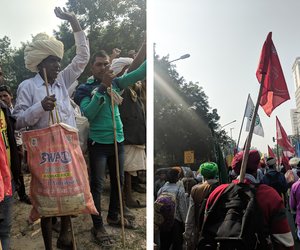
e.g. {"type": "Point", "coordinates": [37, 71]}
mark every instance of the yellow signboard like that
{"type": "Point", "coordinates": [189, 157]}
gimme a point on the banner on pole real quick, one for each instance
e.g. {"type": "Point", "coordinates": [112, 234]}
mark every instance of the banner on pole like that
{"type": "Point", "coordinates": [258, 129]}
{"type": "Point", "coordinates": [282, 138]}
{"type": "Point", "coordinates": [271, 153]}
{"type": "Point", "coordinates": [274, 90]}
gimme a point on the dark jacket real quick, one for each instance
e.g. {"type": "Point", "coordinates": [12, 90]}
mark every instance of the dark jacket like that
{"type": "Point", "coordinates": [15, 159]}
{"type": "Point", "coordinates": [133, 119]}
{"type": "Point", "coordinates": [84, 90]}
{"type": "Point", "coordinates": [275, 180]}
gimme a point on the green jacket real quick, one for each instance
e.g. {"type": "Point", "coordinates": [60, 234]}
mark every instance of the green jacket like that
{"type": "Point", "coordinates": [95, 104]}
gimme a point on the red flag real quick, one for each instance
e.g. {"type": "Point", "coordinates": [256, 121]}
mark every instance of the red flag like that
{"type": "Point", "coordinates": [274, 90]}
{"type": "Point", "coordinates": [271, 153]}
{"type": "Point", "coordinates": [285, 162]}
{"type": "Point", "coordinates": [282, 139]}
{"type": "Point", "coordinates": [288, 154]}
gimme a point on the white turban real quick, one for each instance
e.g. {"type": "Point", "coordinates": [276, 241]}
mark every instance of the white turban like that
{"type": "Point", "coordinates": [41, 47]}
{"type": "Point", "coordinates": [118, 64]}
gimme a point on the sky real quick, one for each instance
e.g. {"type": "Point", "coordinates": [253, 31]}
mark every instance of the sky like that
{"type": "Point", "coordinates": [224, 39]}
{"type": "Point", "coordinates": [29, 18]}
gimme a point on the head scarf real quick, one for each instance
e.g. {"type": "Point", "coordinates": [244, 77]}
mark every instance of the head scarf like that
{"type": "Point", "coordinates": [40, 48]}
{"type": "Point", "coordinates": [209, 170]}
{"type": "Point", "coordinates": [271, 162]}
{"type": "Point", "coordinates": [252, 164]}
{"type": "Point", "coordinates": [294, 162]}
{"type": "Point", "coordinates": [118, 64]}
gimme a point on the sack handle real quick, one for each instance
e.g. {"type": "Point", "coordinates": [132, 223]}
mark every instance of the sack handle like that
{"type": "Point", "coordinates": [51, 113]}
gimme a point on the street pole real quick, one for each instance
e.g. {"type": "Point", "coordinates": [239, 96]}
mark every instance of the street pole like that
{"type": "Point", "coordinates": [231, 132]}
{"type": "Point", "coordinates": [180, 58]}
{"type": "Point", "coordinates": [228, 123]}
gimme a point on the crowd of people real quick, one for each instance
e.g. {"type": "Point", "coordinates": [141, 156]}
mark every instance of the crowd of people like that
{"type": "Point", "coordinates": [113, 100]}
{"type": "Point", "coordinates": [115, 82]}
{"type": "Point", "coordinates": [276, 191]}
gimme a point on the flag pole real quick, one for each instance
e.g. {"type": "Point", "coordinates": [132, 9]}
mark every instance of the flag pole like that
{"type": "Point", "coordinates": [277, 148]}
{"type": "Point", "coordinates": [248, 141]}
{"type": "Point", "coordinates": [237, 146]}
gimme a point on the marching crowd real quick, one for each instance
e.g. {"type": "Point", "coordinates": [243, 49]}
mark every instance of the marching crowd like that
{"type": "Point", "coordinates": [190, 211]}
{"type": "Point", "coordinates": [121, 121]}
{"type": "Point", "coordinates": [211, 215]}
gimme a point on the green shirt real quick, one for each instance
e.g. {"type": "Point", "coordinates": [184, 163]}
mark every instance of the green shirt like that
{"type": "Point", "coordinates": [98, 109]}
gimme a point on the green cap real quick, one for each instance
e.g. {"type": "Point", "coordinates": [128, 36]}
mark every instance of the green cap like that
{"type": "Point", "coordinates": [209, 170]}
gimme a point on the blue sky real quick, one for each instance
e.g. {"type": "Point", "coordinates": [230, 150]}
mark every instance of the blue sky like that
{"type": "Point", "coordinates": [225, 39]}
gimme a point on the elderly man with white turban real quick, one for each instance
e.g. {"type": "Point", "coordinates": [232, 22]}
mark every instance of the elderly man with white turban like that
{"type": "Point", "coordinates": [33, 103]}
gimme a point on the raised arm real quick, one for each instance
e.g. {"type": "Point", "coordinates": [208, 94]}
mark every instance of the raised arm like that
{"type": "Point", "coordinates": [81, 59]}
{"type": "Point", "coordinates": [68, 16]}
{"type": "Point", "coordinates": [139, 58]}
{"type": "Point", "coordinates": [131, 78]}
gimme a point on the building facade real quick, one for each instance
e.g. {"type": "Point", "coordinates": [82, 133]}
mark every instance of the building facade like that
{"type": "Point", "coordinates": [295, 113]}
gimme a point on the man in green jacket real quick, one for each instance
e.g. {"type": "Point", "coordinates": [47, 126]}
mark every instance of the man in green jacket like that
{"type": "Point", "coordinates": [94, 99]}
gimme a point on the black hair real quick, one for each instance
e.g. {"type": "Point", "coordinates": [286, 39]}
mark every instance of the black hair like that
{"type": "Point", "coordinates": [172, 175]}
{"type": "Point", "coordinates": [5, 88]}
{"type": "Point", "coordinates": [100, 53]}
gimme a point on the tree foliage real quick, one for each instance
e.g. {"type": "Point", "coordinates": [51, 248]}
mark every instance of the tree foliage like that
{"type": "Point", "coordinates": [183, 119]}
{"type": "Point", "coordinates": [108, 24]}
{"type": "Point", "coordinates": [6, 60]}
{"type": "Point", "coordinates": [111, 24]}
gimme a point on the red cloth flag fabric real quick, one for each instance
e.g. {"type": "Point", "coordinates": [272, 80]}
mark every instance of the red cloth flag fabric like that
{"type": "Point", "coordinates": [271, 153]}
{"type": "Point", "coordinates": [288, 154]}
{"type": "Point", "coordinates": [274, 90]}
{"type": "Point", "coordinates": [282, 139]}
{"type": "Point", "coordinates": [285, 162]}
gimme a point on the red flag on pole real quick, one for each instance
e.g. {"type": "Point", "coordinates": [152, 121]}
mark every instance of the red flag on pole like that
{"type": "Point", "coordinates": [282, 139]}
{"type": "Point", "coordinates": [274, 90]}
{"type": "Point", "coordinates": [271, 153]}
{"type": "Point", "coordinates": [285, 162]}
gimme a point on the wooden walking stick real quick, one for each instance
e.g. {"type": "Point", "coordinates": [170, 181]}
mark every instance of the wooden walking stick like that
{"type": "Point", "coordinates": [73, 235]}
{"type": "Point", "coordinates": [57, 119]}
{"type": "Point", "coordinates": [117, 165]}
{"type": "Point", "coordinates": [46, 83]}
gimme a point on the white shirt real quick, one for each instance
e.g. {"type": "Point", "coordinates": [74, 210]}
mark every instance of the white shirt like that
{"type": "Point", "coordinates": [28, 110]}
